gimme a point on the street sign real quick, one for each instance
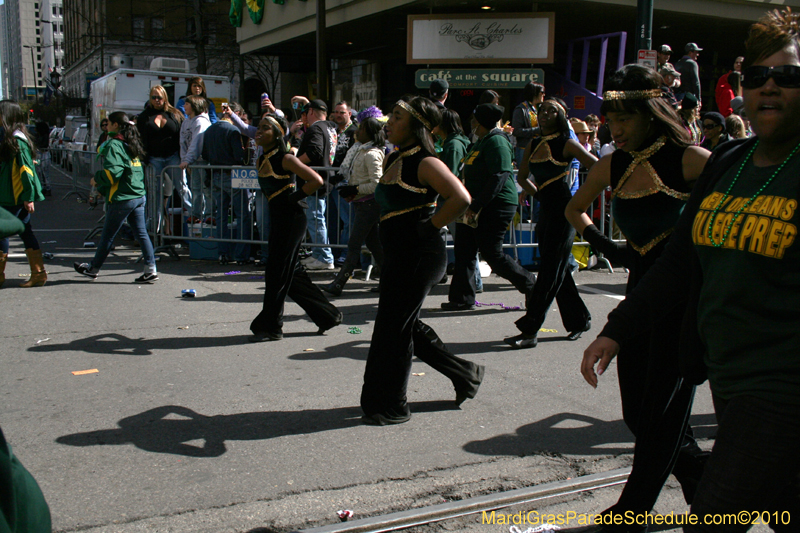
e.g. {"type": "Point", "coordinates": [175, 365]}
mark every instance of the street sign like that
{"type": "Point", "coordinates": [244, 178]}
{"type": "Point", "coordinates": [480, 78]}
{"type": "Point", "coordinates": [647, 58]}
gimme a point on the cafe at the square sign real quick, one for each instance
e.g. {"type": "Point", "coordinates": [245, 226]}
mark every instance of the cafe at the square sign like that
{"type": "Point", "coordinates": [490, 38]}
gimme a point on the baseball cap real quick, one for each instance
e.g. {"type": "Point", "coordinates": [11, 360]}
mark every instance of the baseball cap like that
{"type": "Point", "coordinates": [315, 104]}
{"type": "Point", "coordinates": [665, 49]}
{"type": "Point", "coordinates": [439, 87]}
{"type": "Point", "coordinates": [692, 47]}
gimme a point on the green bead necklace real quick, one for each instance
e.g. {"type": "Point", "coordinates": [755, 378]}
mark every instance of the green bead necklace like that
{"type": "Point", "coordinates": [748, 202]}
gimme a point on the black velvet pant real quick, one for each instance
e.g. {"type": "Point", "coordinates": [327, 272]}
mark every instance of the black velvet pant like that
{"type": "Point", "coordinates": [412, 266]}
{"type": "Point", "coordinates": [656, 405]}
{"type": "Point", "coordinates": [488, 238]}
{"type": "Point", "coordinates": [285, 276]}
{"type": "Point", "coordinates": [554, 282]}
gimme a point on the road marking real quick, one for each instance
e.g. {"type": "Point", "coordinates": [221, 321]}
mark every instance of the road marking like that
{"type": "Point", "coordinates": [603, 293]}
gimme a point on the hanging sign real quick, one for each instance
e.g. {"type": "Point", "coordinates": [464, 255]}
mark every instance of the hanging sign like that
{"type": "Point", "coordinates": [490, 38]}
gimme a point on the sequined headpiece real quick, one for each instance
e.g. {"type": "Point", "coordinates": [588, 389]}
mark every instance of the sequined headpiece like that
{"type": "Point", "coordinates": [414, 113]}
{"type": "Point", "coordinates": [633, 95]}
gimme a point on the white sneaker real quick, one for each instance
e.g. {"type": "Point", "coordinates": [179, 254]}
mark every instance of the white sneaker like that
{"type": "Point", "coordinates": [315, 264]}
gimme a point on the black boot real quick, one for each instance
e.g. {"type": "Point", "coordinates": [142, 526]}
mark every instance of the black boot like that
{"type": "Point", "coordinates": [335, 287]}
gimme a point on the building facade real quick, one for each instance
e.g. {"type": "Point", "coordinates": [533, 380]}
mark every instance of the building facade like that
{"type": "Point", "coordinates": [103, 35]}
{"type": "Point", "coordinates": [367, 42]}
{"type": "Point", "coordinates": [22, 24]}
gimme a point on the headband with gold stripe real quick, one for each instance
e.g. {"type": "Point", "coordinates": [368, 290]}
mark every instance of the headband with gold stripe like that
{"type": "Point", "coordinates": [414, 113]}
{"type": "Point", "coordinates": [633, 95]}
{"type": "Point", "coordinates": [557, 105]}
{"type": "Point", "coordinates": [276, 124]}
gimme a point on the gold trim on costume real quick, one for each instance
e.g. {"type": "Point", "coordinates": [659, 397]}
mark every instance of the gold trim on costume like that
{"type": "Point", "coordinates": [414, 113]}
{"type": "Point", "coordinates": [265, 169]}
{"type": "Point", "coordinates": [404, 211]}
{"type": "Point", "coordinates": [642, 158]}
{"type": "Point", "coordinates": [633, 95]}
{"type": "Point", "coordinates": [276, 193]}
{"type": "Point", "coordinates": [649, 246]}
{"type": "Point", "coordinates": [397, 177]}
{"type": "Point", "coordinates": [549, 157]}
{"type": "Point", "coordinates": [551, 180]}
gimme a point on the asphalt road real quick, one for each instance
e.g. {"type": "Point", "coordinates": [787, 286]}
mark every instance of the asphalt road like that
{"type": "Point", "coordinates": [188, 427]}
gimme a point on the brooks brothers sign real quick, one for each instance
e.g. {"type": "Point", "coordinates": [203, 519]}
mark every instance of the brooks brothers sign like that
{"type": "Point", "coordinates": [491, 38]}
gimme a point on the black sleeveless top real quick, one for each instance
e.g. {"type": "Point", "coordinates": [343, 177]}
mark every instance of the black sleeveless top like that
{"type": "Point", "coordinates": [399, 190]}
{"type": "Point", "coordinates": [274, 180]}
{"type": "Point", "coordinates": [648, 216]}
{"type": "Point", "coordinates": [551, 173]}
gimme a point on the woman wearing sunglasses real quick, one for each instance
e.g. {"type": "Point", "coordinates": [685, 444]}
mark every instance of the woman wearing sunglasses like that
{"type": "Point", "coordinates": [714, 131]}
{"type": "Point", "coordinates": [732, 268]}
{"type": "Point", "coordinates": [651, 174]}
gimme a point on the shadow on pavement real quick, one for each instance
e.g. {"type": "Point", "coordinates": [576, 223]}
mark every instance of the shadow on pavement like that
{"type": "Point", "coordinates": [115, 344]}
{"type": "Point", "coordinates": [568, 434]}
{"type": "Point", "coordinates": [153, 431]}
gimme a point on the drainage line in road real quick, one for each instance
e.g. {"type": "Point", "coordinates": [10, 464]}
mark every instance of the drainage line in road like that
{"type": "Point", "coordinates": [490, 502]}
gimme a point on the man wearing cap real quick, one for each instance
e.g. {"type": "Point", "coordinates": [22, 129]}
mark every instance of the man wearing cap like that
{"type": "Point", "coordinates": [690, 72]}
{"type": "Point", "coordinates": [487, 175]}
{"type": "Point", "coordinates": [663, 53]}
{"type": "Point", "coordinates": [723, 93]}
{"type": "Point", "coordinates": [318, 149]}
{"type": "Point", "coordinates": [714, 131]}
{"type": "Point", "coordinates": [438, 91]}
{"type": "Point", "coordinates": [670, 77]}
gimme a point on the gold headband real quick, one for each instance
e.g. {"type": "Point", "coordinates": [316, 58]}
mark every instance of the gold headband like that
{"type": "Point", "coordinates": [276, 124]}
{"type": "Point", "coordinates": [557, 105]}
{"type": "Point", "coordinates": [632, 95]}
{"type": "Point", "coordinates": [414, 113]}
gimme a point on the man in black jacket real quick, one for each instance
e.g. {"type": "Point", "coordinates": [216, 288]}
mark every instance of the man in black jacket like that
{"type": "Point", "coordinates": [318, 149]}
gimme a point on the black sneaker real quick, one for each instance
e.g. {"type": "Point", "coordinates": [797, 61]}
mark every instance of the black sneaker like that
{"type": "Point", "coordinates": [85, 269]}
{"type": "Point", "coordinates": [146, 278]}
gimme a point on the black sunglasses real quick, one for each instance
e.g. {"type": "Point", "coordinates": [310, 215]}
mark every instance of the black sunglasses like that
{"type": "Point", "coordinates": [786, 76]}
{"type": "Point", "coordinates": [709, 126]}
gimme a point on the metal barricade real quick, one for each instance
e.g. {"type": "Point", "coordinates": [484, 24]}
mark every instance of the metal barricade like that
{"type": "Point", "coordinates": [220, 210]}
{"type": "Point", "coordinates": [78, 166]}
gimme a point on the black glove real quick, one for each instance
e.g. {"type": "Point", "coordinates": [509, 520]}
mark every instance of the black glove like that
{"type": "Point", "coordinates": [297, 195]}
{"type": "Point", "coordinates": [348, 190]}
{"type": "Point", "coordinates": [611, 250]}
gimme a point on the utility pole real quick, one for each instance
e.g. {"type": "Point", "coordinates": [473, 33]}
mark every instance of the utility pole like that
{"type": "Point", "coordinates": [644, 25]}
{"type": "Point", "coordinates": [201, 45]}
{"type": "Point", "coordinates": [322, 61]}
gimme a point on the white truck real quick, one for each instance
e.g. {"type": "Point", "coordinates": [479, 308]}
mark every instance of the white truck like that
{"type": "Point", "coordinates": [128, 90]}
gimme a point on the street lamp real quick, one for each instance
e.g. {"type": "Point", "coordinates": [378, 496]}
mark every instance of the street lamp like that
{"type": "Point", "coordinates": [55, 80]}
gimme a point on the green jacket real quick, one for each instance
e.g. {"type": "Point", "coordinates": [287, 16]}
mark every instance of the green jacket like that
{"type": "Point", "coordinates": [22, 504]}
{"type": "Point", "coordinates": [487, 171]}
{"type": "Point", "coordinates": [18, 180]}
{"type": "Point", "coordinates": [122, 178]}
{"type": "Point", "coordinates": [454, 149]}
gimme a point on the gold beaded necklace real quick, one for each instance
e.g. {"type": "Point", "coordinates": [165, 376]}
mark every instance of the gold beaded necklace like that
{"type": "Point", "coordinates": [748, 202]}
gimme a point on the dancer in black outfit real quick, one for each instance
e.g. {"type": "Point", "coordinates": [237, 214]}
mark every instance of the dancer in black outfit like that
{"type": "Point", "coordinates": [284, 275]}
{"type": "Point", "coordinates": [415, 260]}
{"type": "Point", "coordinates": [651, 173]}
{"type": "Point", "coordinates": [548, 159]}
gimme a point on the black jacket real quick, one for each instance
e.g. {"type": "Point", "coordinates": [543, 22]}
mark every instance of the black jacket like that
{"type": "Point", "coordinates": [674, 281]}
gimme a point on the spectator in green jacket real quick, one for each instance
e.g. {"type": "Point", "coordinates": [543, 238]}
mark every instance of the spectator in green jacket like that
{"type": "Point", "coordinates": [19, 187]}
{"type": "Point", "coordinates": [121, 181]}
